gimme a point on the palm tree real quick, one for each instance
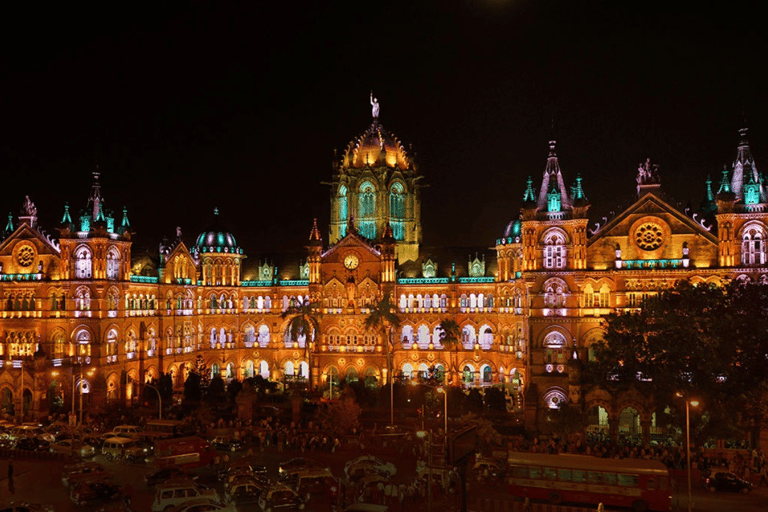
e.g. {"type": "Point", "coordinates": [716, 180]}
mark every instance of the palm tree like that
{"type": "Point", "coordinates": [383, 319]}
{"type": "Point", "coordinates": [304, 320]}
{"type": "Point", "coordinates": [450, 338]}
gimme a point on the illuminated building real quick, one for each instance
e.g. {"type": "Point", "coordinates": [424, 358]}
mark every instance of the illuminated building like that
{"type": "Point", "coordinates": [528, 311]}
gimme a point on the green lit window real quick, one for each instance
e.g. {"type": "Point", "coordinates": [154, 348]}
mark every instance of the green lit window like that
{"type": "Point", "coordinates": [594, 477]}
{"type": "Point", "coordinates": [579, 476]}
{"type": "Point", "coordinates": [564, 475]}
{"type": "Point", "coordinates": [520, 472]}
{"type": "Point", "coordinates": [549, 473]}
{"type": "Point", "coordinates": [535, 473]}
{"type": "Point", "coordinates": [609, 478]}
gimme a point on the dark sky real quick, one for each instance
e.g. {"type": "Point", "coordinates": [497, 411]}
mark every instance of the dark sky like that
{"type": "Point", "coordinates": [241, 107]}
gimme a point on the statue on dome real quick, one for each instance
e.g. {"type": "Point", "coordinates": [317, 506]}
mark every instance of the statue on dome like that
{"type": "Point", "coordinates": [375, 106]}
{"type": "Point", "coordinates": [29, 209]}
{"type": "Point", "coordinates": [178, 231]}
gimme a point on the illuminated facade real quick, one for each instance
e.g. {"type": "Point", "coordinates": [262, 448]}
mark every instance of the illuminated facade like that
{"type": "Point", "coordinates": [528, 311]}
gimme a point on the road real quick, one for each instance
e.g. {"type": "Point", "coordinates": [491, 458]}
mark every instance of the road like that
{"type": "Point", "coordinates": [40, 482]}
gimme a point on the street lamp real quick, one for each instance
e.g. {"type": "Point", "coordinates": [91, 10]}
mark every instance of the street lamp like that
{"type": "Point", "coordinates": [694, 403]}
{"type": "Point", "coordinates": [159, 401]}
{"type": "Point", "coordinates": [80, 387]}
{"type": "Point", "coordinates": [445, 415]}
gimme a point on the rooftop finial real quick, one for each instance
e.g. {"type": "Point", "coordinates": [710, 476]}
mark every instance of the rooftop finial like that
{"type": "Point", "coordinates": [374, 107]}
{"type": "Point", "coordinates": [216, 211]}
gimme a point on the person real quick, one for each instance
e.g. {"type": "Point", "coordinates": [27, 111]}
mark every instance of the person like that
{"type": "Point", "coordinates": [763, 475]}
{"type": "Point", "coordinates": [527, 505]}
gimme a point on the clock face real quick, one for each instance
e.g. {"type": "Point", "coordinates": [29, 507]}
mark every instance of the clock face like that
{"type": "Point", "coordinates": [351, 261]}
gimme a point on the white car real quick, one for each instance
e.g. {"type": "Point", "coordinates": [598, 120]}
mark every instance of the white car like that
{"type": "Point", "coordinates": [69, 447]}
{"type": "Point", "coordinates": [368, 464]}
{"type": "Point", "coordinates": [171, 494]}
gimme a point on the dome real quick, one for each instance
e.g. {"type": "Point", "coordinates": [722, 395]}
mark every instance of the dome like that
{"type": "Point", "coordinates": [513, 229]}
{"type": "Point", "coordinates": [375, 144]}
{"type": "Point", "coordinates": [217, 239]}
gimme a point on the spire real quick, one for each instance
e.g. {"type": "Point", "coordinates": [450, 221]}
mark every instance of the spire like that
{"type": "Point", "coordinates": [708, 205]}
{"type": "Point", "coordinates": [578, 192]}
{"type": "Point", "coordinates": [743, 165]}
{"type": "Point", "coordinates": [314, 235]}
{"type": "Point", "coordinates": [9, 226]}
{"type": "Point", "coordinates": [125, 223]}
{"type": "Point", "coordinates": [552, 177]}
{"type": "Point", "coordinates": [388, 235]}
{"type": "Point", "coordinates": [66, 219]}
{"type": "Point", "coordinates": [95, 201]}
{"type": "Point", "coordinates": [530, 195]}
{"type": "Point", "coordinates": [725, 183]}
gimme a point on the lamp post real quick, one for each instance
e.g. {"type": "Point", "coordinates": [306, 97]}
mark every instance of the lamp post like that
{"type": "Point", "coordinates": [159, 401]}
{"type": "Point", "coordinates": [688, 403]}
{"type": "Point", "coordinates": [445, 414]}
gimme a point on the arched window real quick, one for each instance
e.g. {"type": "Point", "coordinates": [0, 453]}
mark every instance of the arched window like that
{"type": "Point", "coordinates": [487, 374]}
{"type": "Point", "coordinates": [288, 368]}
{"type": "Point", "coordinates": [486, 337]}
{"type": "Point", "coordinates": [248, 372]}
{"type": "Point", "coordinates": [113, 264]}
{"type": "Point", "coordinates": [397, 211]}
{"type": "Point", "coordinates": [555, 398]}
{"type": "Point", "coordinates": [753, 246]}
{"type": "Point", "coordinates": [264, 369]}
{"type": "Point", "coordinates": [406, 339]}
{"type": "Point", "coordinates": [366, 223]}
{"type": "Point", "coordinates": [468, 374]}
{"type": "Point", "coordinates": [263, 335]}
{"type": "Point", "coordinates": [214, 338]}
{"type": "Point", "coordinates": [343, 210]}
{"type": "Point", "coordinates": [554, 250]}
{"type": "Point", "coordinates": [468, 336]}
{"type": "Point", "coordinates": [423, 339]}
{"type": "Point", "coordinates": [58, 345]}
{"type": "Point", "coordinates": [351, 375]}
{"type": "Point", "coordinates": [83, 299]}
{"type": "Point", "coordinates": [215, 370]}
{"type": "Point", "coordinates": [407, 371]}
{"type": "Point", "coordinates": [555, 345]}
{"type": "Point", "coordinates": [83, 339]}
{"type": "Point", "coordinates": [83, 263]}
{"type": "Point", "coordinates": [249, 336]}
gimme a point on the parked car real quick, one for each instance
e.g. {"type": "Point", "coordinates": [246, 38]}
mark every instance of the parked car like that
{"type": "Point", "coordinates": [123, 447]}
{"type": "Point", "coordinates": [295, 464]}
{"type": "Point", "coordinates": [244, 490]}
{"type": "Point", "coordinates": [83, 471]}
{"type": "Point", "coordinates": [204, 505]}
{"type": "Point", "coordinates": [227, 443]}
{"type": "Point", "coordinates": [180, 491]}
{"type": "Point", "coordinates": [723, 480]}
{"type": "Point", "coordinates": [280, 496]}
{"type": "Point", "coordinates": [315, 483]}
{"type": "Point", "coordinates": [243, 466]}
{"type": "Point", "coordinates": [72, 448]}
{"type": "Point", "coordinates": [488, 469]}
{"type": "Point", "coordinates": [366, 465]}
{"type": "Point", "coordinates": [32, 443]}
{"type": "Point", "coordinates": [25, 506]}
{"type": "Point", "coordinates": [89, 491]}
{"type": "Point", "coordinates": [132, 431]}
{"type": "Point", "coordinates": [159, 476]}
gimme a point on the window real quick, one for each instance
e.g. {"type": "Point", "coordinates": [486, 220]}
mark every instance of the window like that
{"type": "Point", "coordinates": [753, 246]}
{"type": "Point", "coordinates": [554, 250]}
{"type": "Point", "coordinates": [113, 264]}
{"type": "Point", "coordinates": [367, 211]}
{"type": "Point", "coordinates": [342, 210]}
{"type": "Point", "coordinates": [397, 211]}
{"type": "Point", "coordinates": [83, 263]}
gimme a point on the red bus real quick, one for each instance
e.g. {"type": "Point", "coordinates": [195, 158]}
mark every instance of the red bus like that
{"type": "Point", "coordinates": [188, 452]}
{"type": "Point", "coordinates": [637, 483]}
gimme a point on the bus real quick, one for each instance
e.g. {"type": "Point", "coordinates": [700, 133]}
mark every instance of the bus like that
{"type": "Point", "coordinates": [165, 429]}
{"type": "Point", "coordinates": [187, 452]}
{"type": "Point", "coordinates": [637, 483]}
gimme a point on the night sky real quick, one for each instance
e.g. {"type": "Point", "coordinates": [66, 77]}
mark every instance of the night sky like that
{"type": "Point", "coordinates": [241, 107]}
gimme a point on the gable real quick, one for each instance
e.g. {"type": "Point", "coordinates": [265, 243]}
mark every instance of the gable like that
{"type": "Point", "coordinates": [652, 230]}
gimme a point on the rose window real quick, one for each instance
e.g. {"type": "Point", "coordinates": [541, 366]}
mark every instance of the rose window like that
{"type": "Point", "coordinates": [26, 256]}
{"type": "Point", "coordinates": [649, 236]}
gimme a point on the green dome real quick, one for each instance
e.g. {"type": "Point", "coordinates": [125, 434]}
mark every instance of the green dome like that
{"type": "Point", "coordinates": [217, 239]}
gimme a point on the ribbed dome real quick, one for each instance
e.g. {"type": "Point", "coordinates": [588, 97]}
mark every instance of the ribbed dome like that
{"type": "Point", "coordinates": [375, 145]}
{"type": "Point", "coordinates": [216, 238]}
{"type": "Point", "coordinates": [513, 229]}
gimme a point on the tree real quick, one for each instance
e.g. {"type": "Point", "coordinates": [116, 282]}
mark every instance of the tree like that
{"type": "Point", "coordinates": [383, 319]}
{"type": "Point", "coordinates": [701, 341]}
{"type": "Point", "coordinates": [450, 338]}
{"type": "Point", "coordinates": [342, 416]}
{"type": "Point", "coordinates": [304, 320]}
